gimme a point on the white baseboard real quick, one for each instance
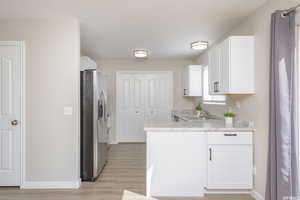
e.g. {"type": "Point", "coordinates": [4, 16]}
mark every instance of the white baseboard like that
{"type": "Point", "coordinates": [256, 195]}
{"type": "Point", "coordinates": [227, 192]}
{"type": "Point", "coordinates": [51, 184]}
{"type": "Point", "coordinates": [253, 193]}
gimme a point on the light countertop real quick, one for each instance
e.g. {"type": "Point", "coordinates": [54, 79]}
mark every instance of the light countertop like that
{"type": "Point", "coordinates": [205, 126]}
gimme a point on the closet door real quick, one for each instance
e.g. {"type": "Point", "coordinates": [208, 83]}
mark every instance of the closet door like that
{"type": "Point", "coordinates": [158, 97]}
{"type": "Point", "coordinates": [142, 97]}
{"type": "Point", "coordinates": [130, 109]}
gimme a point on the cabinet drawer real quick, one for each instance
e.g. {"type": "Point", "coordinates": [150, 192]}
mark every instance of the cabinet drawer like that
{"type": "Point", "coordinates": [230, 138]}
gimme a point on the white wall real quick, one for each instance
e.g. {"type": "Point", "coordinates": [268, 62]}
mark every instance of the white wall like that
{"type": "Point", "coordinates": [256, 107]}
{"type": "Point", "coordinates": [52, 78]}
{"type": "Point", "coordinates": [110, 67]}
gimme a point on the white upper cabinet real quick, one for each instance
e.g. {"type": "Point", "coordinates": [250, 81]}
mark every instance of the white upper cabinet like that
{"type": "Point", "coordinates": [231, 66]}
{"type": "Point", "coordinates": [192, 81]}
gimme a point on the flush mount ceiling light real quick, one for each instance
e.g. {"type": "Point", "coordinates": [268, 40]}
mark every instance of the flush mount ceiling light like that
{"type": "Point", "coordinates": [141, 53]}
{"type": "Point", "coordinates": [199, 45]}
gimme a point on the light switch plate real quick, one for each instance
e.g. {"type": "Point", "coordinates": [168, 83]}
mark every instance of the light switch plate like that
{"type": "Point", "coordinates": [68, 111]}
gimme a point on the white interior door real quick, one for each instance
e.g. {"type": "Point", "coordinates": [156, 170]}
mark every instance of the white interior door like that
{"type": "Point", "coordinates": [144, 96]}
{"type": "Point", "coordinates": [157, 97]}
{"type": "Point", "coordinates": [10, 113]}
{"type": "Point", "coordinates": [130, 110]}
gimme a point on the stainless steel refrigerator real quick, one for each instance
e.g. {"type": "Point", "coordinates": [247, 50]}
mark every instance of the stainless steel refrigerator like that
{"type": "Point", "coordinates": [94, 131]}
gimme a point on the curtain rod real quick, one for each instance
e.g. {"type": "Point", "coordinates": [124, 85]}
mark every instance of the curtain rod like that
{"type": "Point", "coordinates": [288, 11]}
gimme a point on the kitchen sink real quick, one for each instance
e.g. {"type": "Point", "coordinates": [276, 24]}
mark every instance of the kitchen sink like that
{"type": "Point", "coordinates": [189, 116]}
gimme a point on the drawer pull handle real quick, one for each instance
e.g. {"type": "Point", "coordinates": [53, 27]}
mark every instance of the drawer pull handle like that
{"type": "Point", "coordinates": [210, 154]}
{"type": "Point", "coordinates": [227, 134]}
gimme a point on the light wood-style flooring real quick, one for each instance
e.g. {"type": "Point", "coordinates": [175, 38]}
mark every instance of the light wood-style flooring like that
{"type": "Point", "coordinates": [123, 178]}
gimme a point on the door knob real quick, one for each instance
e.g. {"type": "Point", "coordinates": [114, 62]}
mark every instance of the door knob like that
{"type": "Point", "coordinates": [14, 122]}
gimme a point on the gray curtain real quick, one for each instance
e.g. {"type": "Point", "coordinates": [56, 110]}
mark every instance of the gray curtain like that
{"type": "Point", "coordinates": [282, 180]}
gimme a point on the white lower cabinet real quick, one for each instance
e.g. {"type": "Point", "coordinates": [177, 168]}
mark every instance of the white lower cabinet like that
{"type": "Point", "coordinates": [230, 160]}
{"type": "Point", "coordinates": [229, 167]}
{"type": "Point", "coordinates": [184, 163]}
{"type": "Point", "coordinates": [176, 164]}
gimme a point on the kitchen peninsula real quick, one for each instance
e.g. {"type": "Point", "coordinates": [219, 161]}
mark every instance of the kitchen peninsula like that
{"type": "Point", "coordinates": [192, 158]}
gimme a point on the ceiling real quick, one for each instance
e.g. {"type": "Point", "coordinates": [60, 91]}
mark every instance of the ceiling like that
{"type": "Point", "coordinates": [111, 29]}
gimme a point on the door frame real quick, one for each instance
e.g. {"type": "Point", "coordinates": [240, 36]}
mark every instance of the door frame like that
{"type": "Point", "coordinates": [119, 73]}
{"type": "Point", "coordinates": [21, 45]}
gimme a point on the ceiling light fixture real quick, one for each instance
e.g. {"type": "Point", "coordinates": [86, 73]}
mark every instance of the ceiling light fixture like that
{"type": "Point", "coordinates": [199, 45]}
{"type": "Point", "coordinates": [141, 53]}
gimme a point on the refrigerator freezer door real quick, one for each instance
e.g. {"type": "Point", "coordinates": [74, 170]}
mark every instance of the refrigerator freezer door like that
{"type": "Point", "coordinates": [100, 139]}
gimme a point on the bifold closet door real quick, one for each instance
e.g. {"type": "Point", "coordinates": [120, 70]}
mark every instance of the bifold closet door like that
{"type": "Point", "coordinates": [158, 97]}
{"type": "Point", "coordinates": [131, 108]}
{"type": "Point", "coordinates": [141, 97]}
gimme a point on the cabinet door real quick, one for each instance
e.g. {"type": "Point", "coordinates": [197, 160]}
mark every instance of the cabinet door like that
{"type": "Point", "coordinates": [195, 81]}
{"type": "Point", "coordinates": [242, 65]}
{"type": "Point", "coordinates": [213, 70]}
{"type": "Point", "coordinates": [230, 167]}
{"type": "Point", "coordinates": [210, 71]}
{"type": "Point", "coordinates": [174, 167]}
{"type": "Point", "coordinates": [224, 67]}
{"type": "Point", "coordinates": [186, 81]}
{"type": "Point", "coordinates": [192, 81]}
